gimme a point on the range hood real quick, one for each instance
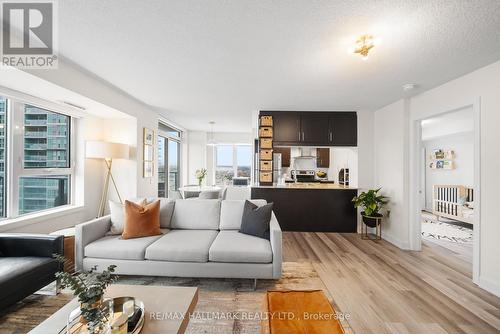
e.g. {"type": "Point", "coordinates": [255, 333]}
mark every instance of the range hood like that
{"type": "Point", "coordinates": [306, 152]}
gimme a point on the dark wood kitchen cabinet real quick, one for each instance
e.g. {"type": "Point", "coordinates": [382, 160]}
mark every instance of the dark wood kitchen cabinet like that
{"type": "Point", "coordinates": [285, 155]}
{"type": "Point", "coordinates": [344, 129]}
{"type": "Point", "coordinates": [286, 127]}
{"type": "Point", "coordinates": [314, 128]}
{"type": "Point", "coordinates": [323, 157]}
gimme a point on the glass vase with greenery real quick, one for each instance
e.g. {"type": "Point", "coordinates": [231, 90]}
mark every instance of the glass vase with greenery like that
{"type": "Point", "coordinates": [89, 287]}
{"type": "Point", "coordinates": [200, 175]}
{"type": "Point", "coordinates": [371, 203]}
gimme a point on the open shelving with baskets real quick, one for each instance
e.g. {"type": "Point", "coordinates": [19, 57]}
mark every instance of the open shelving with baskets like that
{"type": "Point", "coordinates": [265, 150]}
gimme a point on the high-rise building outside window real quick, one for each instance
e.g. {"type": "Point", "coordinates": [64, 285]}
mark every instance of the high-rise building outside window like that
{"type": "Point", "coordinates": [169, 158]}
{"type": "Point", "coordinates": [44, 178]}
{"type": "Point", "coordinates": [3, 130]}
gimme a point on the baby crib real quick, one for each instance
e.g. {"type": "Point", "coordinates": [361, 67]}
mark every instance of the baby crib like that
{"type": "Point", "coordinates": [455, 202]}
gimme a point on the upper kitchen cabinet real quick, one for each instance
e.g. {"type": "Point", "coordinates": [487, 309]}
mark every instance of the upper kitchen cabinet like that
{"type": "Point", "coordinates": [343, 129]}
{"type": "Point", "coordinates": [286, 127]}
{"type": "Point", "coordinates": [314, 128]}
{"type": "Point", "coordinates": [285, 155]}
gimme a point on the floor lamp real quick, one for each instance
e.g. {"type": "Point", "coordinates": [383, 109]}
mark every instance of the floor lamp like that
{"type": "Point", "coordinates": [106, 151]}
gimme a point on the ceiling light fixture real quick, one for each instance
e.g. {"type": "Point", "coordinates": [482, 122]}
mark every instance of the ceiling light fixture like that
{"type": "Point", "coordinates": [363, 46]}
{"type": "Point", "coordinates": [211, 135]}
{"type": "Point", "coordinates": [409, 87]}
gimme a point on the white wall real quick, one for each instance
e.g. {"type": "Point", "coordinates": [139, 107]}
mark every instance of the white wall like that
{"type": "Point", "coordinates": [448, 124]}
{"type": "Point", "coordinates": [391, 170]}
{"type": "Point", "coordinates": [197, 154]}
{"type": "Point", "coordinates": [463, 174]}
{"type": "Point", "coordinates": [479, 87]}
{"type": "Point", "coordinates": [344, 157]}
{"type": "Point", "coordinates": [366, 147]}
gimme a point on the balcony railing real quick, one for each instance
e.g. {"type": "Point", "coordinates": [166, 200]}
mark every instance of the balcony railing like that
{"type": "Point", "coordinates": [35, 146]}
{"type": "Point", "coordinates": [32, 134]}
{"type": "Point", "coordinates": [36, 122]}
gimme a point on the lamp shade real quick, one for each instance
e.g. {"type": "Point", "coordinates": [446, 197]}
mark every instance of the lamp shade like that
{"type": "Point", "coordinates": [105, 150]}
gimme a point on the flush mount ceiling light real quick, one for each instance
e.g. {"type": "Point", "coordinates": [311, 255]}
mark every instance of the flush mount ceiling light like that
{"type": "Point", "coordinates": [363, 46]}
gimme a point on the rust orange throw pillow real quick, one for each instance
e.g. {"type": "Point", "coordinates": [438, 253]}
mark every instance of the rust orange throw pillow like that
{"type": "Point", "coordinates": [141, 220]}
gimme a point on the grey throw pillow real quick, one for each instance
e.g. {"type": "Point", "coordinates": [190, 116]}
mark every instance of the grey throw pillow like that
{"type": "Point", "coordinates": [255, 220]}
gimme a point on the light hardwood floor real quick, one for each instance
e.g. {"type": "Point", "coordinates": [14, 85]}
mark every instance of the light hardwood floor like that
{"type": "Point", "coordinates": [388, 290]}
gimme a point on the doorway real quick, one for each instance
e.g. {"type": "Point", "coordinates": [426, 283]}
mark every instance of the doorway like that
{"type": "Point", "coordinates": [445, 176]}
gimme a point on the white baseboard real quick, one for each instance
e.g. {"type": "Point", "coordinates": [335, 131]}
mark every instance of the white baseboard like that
{"type": "Point", "coordinates": [490, 286]}
{"type": "Point", "coordinates": [395, 241]}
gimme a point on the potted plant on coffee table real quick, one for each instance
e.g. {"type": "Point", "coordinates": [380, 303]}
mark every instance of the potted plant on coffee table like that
{"type": "Point", "coordinates": [89, 287]}
{"type": "Point", "coordinates": [371, 203]}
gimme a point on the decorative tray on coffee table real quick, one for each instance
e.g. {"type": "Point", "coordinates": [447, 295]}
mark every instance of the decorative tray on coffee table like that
{"type": "Point", "coordinates": [129, 306]}
{"type": "Point", "coordinates": [135, 317]}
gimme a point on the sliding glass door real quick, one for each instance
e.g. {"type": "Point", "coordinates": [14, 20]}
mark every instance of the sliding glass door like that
{"type": "Point", "coordinates": [169, 147]}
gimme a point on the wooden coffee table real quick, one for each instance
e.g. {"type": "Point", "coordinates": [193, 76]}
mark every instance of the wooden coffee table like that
{"type": "Point", "coordinates": [158, 302]}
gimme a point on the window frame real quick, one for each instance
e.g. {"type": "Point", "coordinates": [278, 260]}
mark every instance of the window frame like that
{"type": "Point", "coordinates": [234, 160]}
{"type": "Point", "coordinates": [179, 140]}
{"type": "Point", "coordinates": [14, 156]}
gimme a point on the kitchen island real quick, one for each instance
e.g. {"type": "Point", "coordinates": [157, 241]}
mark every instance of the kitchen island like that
{"type": "Point", "coordinates": [311, 207]}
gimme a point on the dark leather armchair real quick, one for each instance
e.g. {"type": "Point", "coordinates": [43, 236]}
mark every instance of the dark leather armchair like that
{"type": "Point", "coordinates": [27, 264]}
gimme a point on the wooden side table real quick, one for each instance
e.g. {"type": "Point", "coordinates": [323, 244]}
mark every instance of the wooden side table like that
{"type": "Point", "coordinates": [69, 248]}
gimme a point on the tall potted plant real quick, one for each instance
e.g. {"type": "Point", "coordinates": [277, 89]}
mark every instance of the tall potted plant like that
{"type": "Point", "coordinates": [371, 203]}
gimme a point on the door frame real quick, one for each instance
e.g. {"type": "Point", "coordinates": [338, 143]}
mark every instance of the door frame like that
{"type": "Point", "coordinates": [416, 164]}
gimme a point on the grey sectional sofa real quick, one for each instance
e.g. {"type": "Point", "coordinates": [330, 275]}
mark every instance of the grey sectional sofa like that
{"type": "Point", "coordinates": [200, 239]}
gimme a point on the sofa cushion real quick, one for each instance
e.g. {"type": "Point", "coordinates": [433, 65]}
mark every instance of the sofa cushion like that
{"type": "Point", "coordinates": [202, 214]}
{"type": "Point", "coordinates": [19, 270]}
{"type": "Point", "coordinates": [231, 213]}
{"type": "Point", "coordinates": [256, 220]}
{"type": "Point", "coordinates": [114, 247]}
{"type": "Point", "coordinates": [232, 246]}
{"type": "Point", "coordinates": [141, 220]}
{"type": "Point", "coordinates": [182, 246]}
{"type": "Point", "coordinates": [117, 212]}
{"type": "Point", "coordinates": [166, 208]}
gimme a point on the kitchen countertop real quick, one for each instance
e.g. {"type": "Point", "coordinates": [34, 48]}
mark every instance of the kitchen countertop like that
{"type": "Point", "coordinates": [307, 185]}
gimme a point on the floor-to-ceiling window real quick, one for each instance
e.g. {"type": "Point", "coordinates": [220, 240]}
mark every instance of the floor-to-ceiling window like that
{"type": "Point", "coordinates": [169, 148]}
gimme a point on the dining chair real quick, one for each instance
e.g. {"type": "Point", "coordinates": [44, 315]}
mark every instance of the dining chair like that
{"type": "Point", "coordinates": [191, 194]}
{"type": "Point", "coordinates": [209, 194]}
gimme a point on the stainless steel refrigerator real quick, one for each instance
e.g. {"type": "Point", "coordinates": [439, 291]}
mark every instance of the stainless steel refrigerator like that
{"type": "Point", "coordinates": [276, 167]}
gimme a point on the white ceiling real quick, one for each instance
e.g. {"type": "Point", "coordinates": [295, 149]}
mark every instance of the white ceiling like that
{"type": "Point", "coordinates": [222, 60]}
{"type": "Point", "coordinates": [16, 82]}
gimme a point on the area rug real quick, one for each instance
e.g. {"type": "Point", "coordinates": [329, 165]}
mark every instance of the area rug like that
{"type": "Point", "coordinates": [217, 299]}
{"type": "Point", "coordinates": [438, 230]}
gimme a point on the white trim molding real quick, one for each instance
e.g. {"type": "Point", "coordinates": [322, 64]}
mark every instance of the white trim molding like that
{"type": "Point", "coordinates": [415, 167]}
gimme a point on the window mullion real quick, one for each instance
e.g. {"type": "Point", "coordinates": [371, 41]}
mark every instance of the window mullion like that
{"type": "Point", "coordinates": [15, 155]}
